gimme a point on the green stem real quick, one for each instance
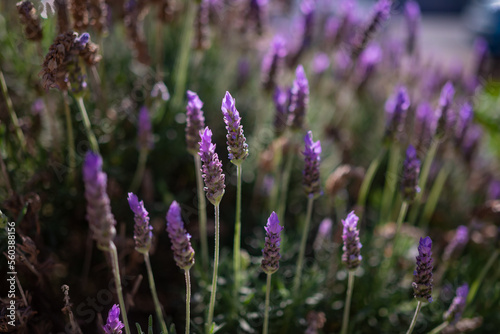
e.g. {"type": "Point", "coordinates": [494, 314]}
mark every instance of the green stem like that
{"type": "Point", "coordinates": [350, 287]}
{"type": "Point", "coordinates": [439, 328]}
{"type": "Point", "coordinates": [266, 310]}
{"type": "Point", "coordinates": [237, 235]}
{"type": "Point", "coordinates": [152, 287]}
{"type": "Point", "coordinates": [475, 286]}
{"type": "Point", "coordinates": [401, 217]}
{"type": "Point", "coordinates": [188, 300]}
{"type": "Point", "coordinates": [367, 181]}
{"type": "Point", "coordinates": [139, 172]}
{"type": "Point", "coordinates": [300, 261]}
{"type": "Point", "coordinates": [285, 179]}
{"type": "Point", "coordinates": [159, 50]}
{"type": "Point", "coordinates": [88, 128]}
{"type": "Point", "coordinates": [12, 113]}
{"type": "Point", "coordinates": [434, 194]}
{"type": "Point", "coordinates": [422, 180]}
{"type": "Point", "coordinates": [116, 273]}
{"type": "Point", "coordinates": [391, 179]}
{"type": "Point", "coordinates": [415, 316]}
{"type": "Point", "coordinates": [70, 135]}
{"type": "Point", "coordinates": [202, 212]}
{"type": "Point", "coordinates": [214, 277]}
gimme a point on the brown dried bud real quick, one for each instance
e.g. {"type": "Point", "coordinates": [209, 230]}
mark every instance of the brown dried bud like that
{"type": "Point", "coordinates": [98, 12]}
{"type": "Point", "coordinates": [315, 321]}
{"type": "Point", "coordinates": [30, 21]}
{"type": "Point", "coordinates": [80, 13]}
{"type": "Point", "coordinates": [202, 29]}
{"type": "Point", "coordinates": [62, 16]}
{"type": "Point", "coordinates": [90, 54]}
{"type": "Point", "coordinates": [134, 15]}
{"type": "Point", "coordinates": [54, 69]}
{"type": "Point", "coordinates": [339, 179]}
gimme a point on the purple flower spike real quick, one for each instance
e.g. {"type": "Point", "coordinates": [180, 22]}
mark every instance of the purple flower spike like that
{"type": "Point", "coordinates": [471, 142]}
{"type": "Point", "coordinates": [352, 246]}
{"type": "Point", "coordinates": [409, 180]}
{"type": "Point", "coordinates": [299, 99]}
{"type": "Point", "coordinates": [457, 306]}
{"type": "Point", "coordinates": [145, 134]}
{"type": "Point", "coordinates": [236, 141]}
{"type": "Point", "coordinates": [494, 190]}
{"type": "Point", "coordinates": [143, 231]}
{"type": "Point", "coordinates": [281, 99]}
{"type": "Point", "coordinates": [481, 55]}
{"type": "Point", "coordinates": [271, 252]}
{"type": "Point", "coordinates": [464, 120]}
{"type": "Point", "coordinates": [324, 234]}
{"type": "Point", "coordinates": [412, 17]}
{"type": "Point", "coordinates": [272, 62]}
{"type": "Point", "coordinates": [312, 160]}
{"type": "Point", "coordinates": [195, 122]}
{"type": "Point", "coordinates": [422, 125]}
{"type": "Point", "coordinates": [422, 276]}
{"type": "Point", "coordinates": [368, 61]}
{"type": "Point", "coordinates": [181, 246]}
{"type": "Point", "coordinates": [101, 221]}
{"type": "Point", "coordinates": [113, 324]}
{"type": "Point", "coordinates": [395, 108]}
{"type": "Point", "coordinates": [441, 116]}
{"type": "Point", "coordinates": [211, 169]}
{"type": "Point", "coordinates": [320, 63]}
{"type": "Point", "coordinates": [457, 243]}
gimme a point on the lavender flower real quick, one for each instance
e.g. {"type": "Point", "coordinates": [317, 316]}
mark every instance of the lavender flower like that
{"type": "Point", "coordinates": [471, 142]}
{"type": "Point", "coordinates": [368, 60]}
{"type": "Point", "coordinates": [457, 243]}
{"type": "Point", "coordinates": [422, 125]}
{"type": "Point", "coordinates": [212, 168]}
{"type": "Point", "coordinates": [181, 246]}
{"type": "Point", "coordinates": [312, 160]}
{"type": "Point", "coordinates": [320, 63]}
{"type": "Point", "coordinates": [422, 276]}
{"type": "Point", "coordinates": [395, 108]}
{"type": "Point", "coordinates": [195, 122]}
{"type": "Point", "coordinates": [160, 91]}
{"type": "Point", "coordinates": [142, 229]}
{"type": "Point", "coordinates": [409, 180]}
{"type": "Point", "coordinates": [29, 19]}
{"type": "Point", "coordinates": [306, 30]}
{"type": "Point", "coordinates": [281, 99]}
{"type": "Point", "coordinates": [272, 62]}
{"type": "Point", "coordinates": [299, 99]}
{"type": "Point", "coordinates": [441, 116]}
{"type": "Point", "coordinates": [494, 190]}
{"type": "Point", "coordinates": [481, 55]}
{"type": "Point", "coordinates": [352, 246]}
{"type": "Point", "coordinates": [113, 324]}
{"type": "Point", "coordinates": [101, 220]}
{"type": "Point", "coordinates": [412, 16]}
{"type": "Point", "coordinates": [464, 120]}
{"type": "Point", "coordinates": [256, 15]}
{"type": "Point", "coordinates": [324, 234]}
{"type": "Point", "coordinates": [144, 133]}
{"type": "Point", "coordinates": [271, 252]}
{"type": "Point", "coordinates": [454, 312]}
{"type": "Point", "coordinates": [236, 141]}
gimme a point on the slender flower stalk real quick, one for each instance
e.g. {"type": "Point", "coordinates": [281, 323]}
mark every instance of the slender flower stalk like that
{"type": "Point", "coordinates": [88, 128]}
{"type": "Point", "coordinates": [434, 195]}
{"type": "Point", "coordinates": [12, 113]}
{"type": "Point", "coordinates": [113, 323]}
{"type": "Point", "coordinates": [183, 252]}
{"type": "Point", "coordinates": [69, 132]}
{"type": "Point", "coordinates": [101, 221]}
{"type": "Point", "coordinates": [270, 258]}
{"type": "Point", "coordinates": [415, 316]}
{"type": "Point", "coordinates": [480, 278]}
{"type": "Point", "coordinates": [351, 258]}
{"type": "Point", "coordinates": [368, 179]}
{"type": "Point", "coordinates": [145, 145]}
{"type": "Point", "coordinates": [214, 188]}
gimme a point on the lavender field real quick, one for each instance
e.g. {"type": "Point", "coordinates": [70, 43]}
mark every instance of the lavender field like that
{"type": "Point", "coordinates": [245, 166]}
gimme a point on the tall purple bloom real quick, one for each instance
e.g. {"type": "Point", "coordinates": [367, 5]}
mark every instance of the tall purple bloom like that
{"type": "Point", "coordinates": [352, 246]}
{"type": "Point", "coordinates": [195, 122]}
{"type": "Point", "coordinates": [306, 30]}
{"type": "Point", "coordinates": [422, 125]}
{"type": "Point", "coordinates": [457, 243]}
{"type": "Point", "coordinates": [143, 231]}
{"type": "Point", "coordinates": [320, 63]}
{"type": "Point", "coordinates": [113, 324]}
{"type": "Point", "coordinates": [471, 142]}
{"type": "Point", "coordinates": [481, 55]}
{"type": "Point", "coordinates": [494, 189]}
{"type": "Point", "coordinates": [236, 141]}
{"type": "Point", "coordinates": [145, 134]}
{"type": "Point", "coordinates": [412, 17]}
{"type": "Point", "coordinates": [272, 62]}
{"type": "Point", "coordinates": [312, 160]}
{"type": "Point", "coordinates": [454, 312]}
{"type": "Point", "coordinates": [409, 179]}
{"type": "Point", "coordinates": [368, 60]}
{"type": "Point", "coordinates": [443, 110]}
{"type": "Point", "coordinates": [101, 220]}
{"type": "Point", "coordinates": [181, 246]}
{"type": "Point", "coordinates": [422, 276]}
{"type": "Point", "coordinates": [465, 117]}
{"type": "Point", "coordinates": [271, 252]}
{"type": "Point", "coordinates": [281, 99]}
{"type": "Point", "coordinates": [211, 169]}
{"type": "Point", "coordinates": [299, 99]}
{"type": "Point", "coordinates": [395, 108]}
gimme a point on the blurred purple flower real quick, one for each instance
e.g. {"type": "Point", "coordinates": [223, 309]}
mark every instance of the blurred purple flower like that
{"type": "Point", "coordinates": [352, 246]}
{"type": "Point", "coordinates": [481, 55]}
{"type": "Point", "coordinates": [422, 125]}
{"type": "Point", "coordinates": [494, 190]}
{"type": "Point", "coordinates": [441, 115]}
{"type": "Point", "coordinates": [324, 234]}
{"type": "Point", "coordinates": [236, 141]}
{"type": "Point", "coordinates": [412, 17]}
{"type": "Point", "coordinates": [143, 231]}
{"type": "Point", "coordinates": [465, 117]}
{"type": "Point", "coordinates": [195, 122]}
{"type": "Point", "coordinates": [144, 130]}
{"type": "Point", "coordinates": [281, 99]}
{"type": "Point", "coordinates": [299, 100]}
{"type": "Point", "coordinates": [272, 62]}
{"type": "Point", "coordinates": [37, 107]}
{"type": "Point", "coordinates": [312, 160]}
{"type": "Point", "coordinates": [368, 60]}
{"type": "Point", "coordinates": [160, 90]}
{"type": "Point", "coordinates": [457, 243]}
{"type": "Point", "coordinates": [211, 169]}
{"type": "Point", "coordinates": [471, 142]}
{"type": "Point", "coordinates": [411, 170]}
{"type": "Point", "coordinates": [422, 276]}
{"type": "Point", "coordinates": [271, 252]}
{"type": "Point", "coordinates": [395, 108]}
{"type": "Point", "coordinates": [454, 312]}
{"type": "Point", "coordinates": [320, 63]}
{"type": "Point", "coordinates": [113, 324]}
{"type": "Point", "coordinates": [181, 245]}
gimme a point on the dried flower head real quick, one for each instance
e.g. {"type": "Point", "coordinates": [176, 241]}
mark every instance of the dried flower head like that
{"type": "Point", "coordinates": [79, 11]}
{"type": "Point", "coordinates": [133, 20]}
{"type": "Point", "coordinates": [352, 246]}
{"type": "Point", "coordinates": [98, 15]}
{"type": "Point", "coordinates": [202, 28]}
{"type": "Point", "coordinates": [422, 276]}
{"type": "Point", "coordinates": [30, 21]}
{"type": "Point", "coordinates": [409, 179]}
{"type": "Point", "coordinates": [271, 252]}
{"type": "Point", "coordinates": [211, 169]}
{"type": "Point", "coordinates": [454, 312]}
{"type": "Point", "coordinates": [312, 159]}
{"type": "Point", "coordinates": [63, 24]}
{"type": "Point", "coordinates": [299, 100]}
{"type": "Point", "coordinates": [181, 246]}
{"type": "Point", "coordinates": [113, 324]}
{"type": "Point", "coordinates": [143, 231]}
{"type": "Point", "coordinates": [236, 141]}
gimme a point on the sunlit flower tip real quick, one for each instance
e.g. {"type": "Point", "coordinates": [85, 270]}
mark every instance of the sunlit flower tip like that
{"type": "Point", "coordinates": [144, 130]}
{"type": "Point", "coordinates": [411, 170]}
{"type": "Point", "coordinates": [447, 94]}
{"type": "Point", "coordinates": [101, 220]}
{"type": "Point", "coordinates": [352, 246]}
{"type": "Point", "coordinates": [181, 245]}
{"type": "Point", "coordinates": [299, 99]}
{"type": "Point", "coordinates": [211, 169]}
{"type": "Point", "coordinates": [454, 312]}
{"type": "Point", "coordinates": [236, 141]}
{"type": "Point", "coordinates": [271, 252]}
{"type": "Point", "coordinates": [312, 159]}
{"type": "Point", "coordinates": [160, 90]}
{"type": "Point", "coordinates": [195, 122]}
{"type": "Point", "coordinates": [143, 231]}
{"type": "Point", "coordinates": [113, 324]}
{"type": "Point", "coordinates": [422, 276]}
